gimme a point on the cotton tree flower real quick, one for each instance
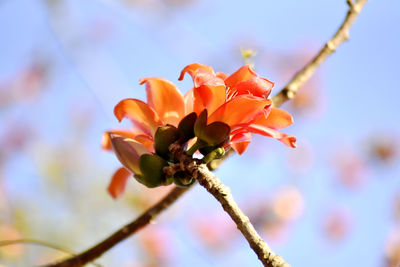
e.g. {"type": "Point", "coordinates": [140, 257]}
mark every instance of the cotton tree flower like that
{"type": "Point", "coordinates": [239, 100]}
{"type": "Point", "coordinates": [219, 111]}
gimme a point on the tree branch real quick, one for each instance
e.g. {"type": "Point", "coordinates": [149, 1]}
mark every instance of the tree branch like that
{"type": "Point", "coordinates": [222, 193]}
{"type": "Point", "coordinates": [342, 34]}
{"type": "Point", "coordinates": [126, 231]}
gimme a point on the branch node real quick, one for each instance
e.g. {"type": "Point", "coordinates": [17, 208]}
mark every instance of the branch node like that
{"type": "Point", "coordinates": [331, 46]}
{"type": "Point", "coordinates": [351, 4]}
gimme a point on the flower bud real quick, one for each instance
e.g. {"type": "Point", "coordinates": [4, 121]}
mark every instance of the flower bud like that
{"type": "Point", "coordinates": [212, 134]}
{"type": "Point", "coordinates": [151, 167]}
{"type": "Point", "coordinates": [163, 138]}
{"type": "Point", "coordinates": [128, 152]}
{"type": "Point", "coordinates": [186, 126]}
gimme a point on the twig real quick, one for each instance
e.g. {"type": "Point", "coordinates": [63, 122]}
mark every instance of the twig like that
{"type": "Point", "coordinates": [120, 235]}
{"type": "Point", "coordinates": [40, 243]}
{"type": "Point", "coordinates": [222, 193]}
{"type": "Point", "coordinates": [342, 34]}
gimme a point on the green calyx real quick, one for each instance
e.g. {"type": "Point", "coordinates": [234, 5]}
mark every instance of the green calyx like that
{"type": "Point", "coordinates": [214, 154]}
{"type": "Point", "coordinates": [186, 126]}
{"type": "Point", "coordinates": [151, 168]}
{"type": "Point", "coordinates": [183, 179]}
{"type": "Point", "coordinates": [163, 138]}
{"type": "Point", "coordinates": [213, 134]}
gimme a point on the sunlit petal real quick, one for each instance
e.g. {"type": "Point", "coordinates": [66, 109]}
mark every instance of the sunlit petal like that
{"type": "Point", "coordinates": [240, 141]}
{"type": "Point", "coordinates": [241, 110]}
{"type": "Point", "coordinates": [192, 68]}
{"type": "Point", "coordinates": [141, 114]}
{"type": "Point", "coordinates": [118, 182]}
{"type": "Point", "coordinates": [243, 74]}
{"type": "Point", "coordinates": [211, 97]}
{"type": "Point", "coordinates": [193, 102]}
{"type": "Point", "coordinates": [277, 119]}
{"type": "Point", "coordinates": [165, 98]}
{"type": "Point", "coordinates": [256, 86]}
{"type": "Point", "coordinates": [288, 140]}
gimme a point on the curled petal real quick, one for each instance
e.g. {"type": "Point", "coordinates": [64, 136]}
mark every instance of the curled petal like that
{"type": "Point", "coordinates": [210, 97]}
{"type": "Point", "coordinates": [221, 75]}
{"type": "Point", "coordinates": [118, 182]}
{"type": "Point", "coordinates": [203, 77]}
{"type": "Point", "coordinates": [256, 86]}
{"type": "Point", "coordinates": [192, 68]}
{"type": "Point", "coordinates": [165, 99]}
{"type": "Point", "coordinates": [128, 151]}
{"type": "Point", "coordinates": [241, 110]}
{"type": "Point", "coordinates": [277, 119]}
{"type": "Point", "coordinates": [243, 74]}
{"type": "Point", "coordinates": [141, 114]}
{"type": "Point", "coordinates": [240, 141]}
{"type": "Point", "coordinates": [288, 140]}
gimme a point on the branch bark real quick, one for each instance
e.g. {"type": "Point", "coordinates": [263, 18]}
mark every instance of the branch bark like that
{"type": "Point", "coordinates": [212, 183]}
{"type": "Point", "coordinates": [342, 34]}
{"type": "Point", "coordinates": [126, 231]}
{"type": "Point", "coordinates": [222, 193]}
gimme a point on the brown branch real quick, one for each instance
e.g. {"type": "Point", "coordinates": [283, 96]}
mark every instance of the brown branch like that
{"type": "Point", "coordinates": [126, 231]}
{"type": "Point", "coordinates": [342, 34]}
{"type": "Point", "coordinates": [222, 193]}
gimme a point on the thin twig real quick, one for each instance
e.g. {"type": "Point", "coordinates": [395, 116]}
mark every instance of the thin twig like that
{"type": "Point", "coordinates": [120, 235]}
{"type": "Point", "coordinates": [222, 193]}
{"type": "Point", "coordinates": [4, 243]}
{"type": "Point", "coordinates": [342, 34]}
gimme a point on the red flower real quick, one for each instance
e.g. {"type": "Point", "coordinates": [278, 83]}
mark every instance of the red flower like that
{"type": "Point", "coordinates": [239, 100]}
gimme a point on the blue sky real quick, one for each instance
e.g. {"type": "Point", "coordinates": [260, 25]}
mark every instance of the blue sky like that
{"type": "Point", "coordinates": [359, 84]}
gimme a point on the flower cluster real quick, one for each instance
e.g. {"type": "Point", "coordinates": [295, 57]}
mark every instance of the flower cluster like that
{"type": "Point", "coordinates": [220, 111]}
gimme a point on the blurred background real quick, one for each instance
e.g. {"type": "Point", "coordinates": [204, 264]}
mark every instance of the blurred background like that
{"type": "Point", "coordinates": [333, 201]}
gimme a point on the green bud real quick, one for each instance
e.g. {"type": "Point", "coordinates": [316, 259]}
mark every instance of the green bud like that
{"type": "Point", "coordinates": [183, 179]}
{"type": "Point", "coordinates": [163, 138]}
{"type": "Point", "coordinates": [215, 154]}
{"type": "Point", "coordinates": [151, 167]}
{"type": "Point", "coordinates": [186, 126]}
{"type": "Point", "coordinates": [214, 133]}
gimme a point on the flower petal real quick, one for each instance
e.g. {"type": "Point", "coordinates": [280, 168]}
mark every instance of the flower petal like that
{"type": "Point", "coordinates": [221, 75]}
{"type": "Point", "coordinates": [193, 103]}
{"type": "Point", "coordinates": [118, 182]}
{"type": "Point", "coordinates": [141, 114]}
{"type": "Point", "coordinates": [165, 98]}
{"type": "Point", "coordinates": [240, 141]}
{"type": "Point", "coordinates": [105, 139]}
{"type": "Point", "coordinates": [192, 68]}
{"type": "Point", "coordinates": [288, 140]}
{"type": "Point", "coordinates": [203, 77]}
{"type": "Point", "coordinates": [277, 119]}
{"type": "Point", "coordinates": [210, 97]}
{"type": "Point", "coordinates": [243, 74]}
{"type": "Point", "coordinates": [128, 151]}
{"type": "Point", "coordinates": [241, 110]}
{"type": "Point", "coordinates": [256, 86]}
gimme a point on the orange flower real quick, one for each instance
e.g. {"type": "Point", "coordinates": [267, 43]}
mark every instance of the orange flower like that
{"type": "Point", "coordinates": [239, 100]}
{"type": "Point", "coordinates": [165, 105]}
